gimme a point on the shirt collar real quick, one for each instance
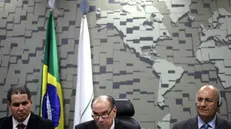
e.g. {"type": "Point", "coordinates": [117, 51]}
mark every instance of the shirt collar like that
{"type": "Point", "coordinates": [113, 125]}
{"type": "Point", "coordinates": [211, 123]}
{"type": "Point", "coordinates": [15, 122]}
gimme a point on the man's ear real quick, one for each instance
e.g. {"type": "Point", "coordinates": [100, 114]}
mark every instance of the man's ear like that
{"type": "Point", "coordinates": [115, 109]}
{"type": "Point", "coordinates": [8, 103]}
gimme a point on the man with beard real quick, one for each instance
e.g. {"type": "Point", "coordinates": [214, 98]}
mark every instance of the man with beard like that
{"type": "Point", "coordinates": [104, 113]}
{"type": "Point", "coordinates": [208, 100]}
{"type": "Point", "coordinates": [20, 103]}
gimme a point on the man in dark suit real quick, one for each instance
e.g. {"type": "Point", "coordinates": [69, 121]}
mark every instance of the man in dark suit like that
{"type": "Point", "coordinates": [104, 113]}
{"type": "Point", "coordinates": [20, 103]}
{"type": "Point", "coordinates": [208, 101]}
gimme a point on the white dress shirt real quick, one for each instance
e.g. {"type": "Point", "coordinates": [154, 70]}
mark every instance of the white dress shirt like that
{"type": "Point", "coordinates": [113, 125]}
{"type": "Point", "coordinates": [15, 122]}
{"type": "Point", "coordinates": [211, 123]}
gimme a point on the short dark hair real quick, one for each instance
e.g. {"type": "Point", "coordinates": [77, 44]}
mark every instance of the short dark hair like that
{"type": "Point", "coordinates": [18, 90]}
{"type": "Point", "coordinates": [110, 99]}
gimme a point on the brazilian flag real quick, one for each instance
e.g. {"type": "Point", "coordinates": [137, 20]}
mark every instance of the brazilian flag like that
{"type": "Point", "coordinates": [51, 92]}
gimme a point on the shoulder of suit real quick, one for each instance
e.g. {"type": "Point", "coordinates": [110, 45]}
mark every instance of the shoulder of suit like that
{"type": "Point", "coordinates": [224, 121]}
{"type": "Point", "coordinates": [118, 121]}
{"type": "Point", "coordinates": [87, 123]}
{"type": "Point", "coordinates": [38, 118]}
{"type": "Point", "coordinates": [4, 118]}
{"type": "Point", "coordinates": [184, 122]}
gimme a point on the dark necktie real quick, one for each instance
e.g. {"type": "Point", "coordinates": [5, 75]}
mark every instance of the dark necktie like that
{"type": "Point", "coordinates": [205, 126]}
{"type": "Point", "coordinates": [21, 126]}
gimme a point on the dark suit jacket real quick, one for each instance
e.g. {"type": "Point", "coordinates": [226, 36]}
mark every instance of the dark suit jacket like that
{"type": "Point", "coordinates": [193, 124]}
{"type": "Point", "coordinates": [35, 122]}
{"type": "Point", "coordinates": [91, 125]}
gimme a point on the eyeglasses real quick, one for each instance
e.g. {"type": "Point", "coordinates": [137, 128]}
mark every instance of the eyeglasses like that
{"type": "Point", "coordinates": [206, 100]}
{"type": "Point", "coordinates": [104, 116]}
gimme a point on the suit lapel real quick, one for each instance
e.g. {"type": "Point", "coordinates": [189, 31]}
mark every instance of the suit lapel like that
{"type": "Point", "coordinates": [9, 123]}
{"type": "Point", "coordinates": [117, 124]}
{"type": "Point", "coordinates": [193, 124]}
{"type": "Point", "coordinates": [91, 125]}
{"type": "Point", "coordinates": [32, 123]}
{"type": "Point", "coordinates": [219, 123]}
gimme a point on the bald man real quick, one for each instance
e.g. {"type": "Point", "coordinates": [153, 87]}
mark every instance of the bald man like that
{"type": "Point", "coordinates": [104, 113]}
{"type": "Point", "coordinates": [208, 100]}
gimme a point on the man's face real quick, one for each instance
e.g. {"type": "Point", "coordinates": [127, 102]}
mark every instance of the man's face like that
{"type": "Point", "coordinates": [207, 99]}
{"type": "Point", "coordinates": [20, 106]}
{"type": "Point", "coordinates": [103, 114]}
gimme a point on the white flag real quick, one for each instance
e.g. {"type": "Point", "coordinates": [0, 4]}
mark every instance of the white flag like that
{"type": "Point", "coordinates": [84, 89]}
{"type": "Point", "coordinates": [51, 3]}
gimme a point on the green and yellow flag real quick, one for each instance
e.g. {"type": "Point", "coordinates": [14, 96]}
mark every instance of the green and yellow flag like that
{"type": "Point", "coordinates": [51, 92]}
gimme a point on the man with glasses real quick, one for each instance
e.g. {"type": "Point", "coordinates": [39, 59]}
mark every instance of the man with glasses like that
{"type": "Point", "coordinates": [104, 113]}
{"type": "Point", "coordinates": [208, 101]}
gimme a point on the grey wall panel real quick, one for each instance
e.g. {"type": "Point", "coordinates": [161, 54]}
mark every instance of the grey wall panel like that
{"type": "Point", "coordinates": [122, 67]}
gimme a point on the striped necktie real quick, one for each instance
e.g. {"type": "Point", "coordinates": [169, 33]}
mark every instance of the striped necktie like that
{"type": "Point", "coordinates": [205, 126]}
{"type": "Point", "coordinates": [21, 126]}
